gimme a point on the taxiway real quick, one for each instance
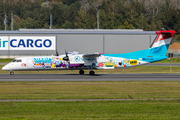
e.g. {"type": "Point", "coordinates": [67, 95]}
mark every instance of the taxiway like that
{"type": "Point", "coordinates": [87, 77]}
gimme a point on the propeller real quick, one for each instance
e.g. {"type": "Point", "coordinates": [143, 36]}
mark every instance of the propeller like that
{"type": "Point", "coordinates": [66, 58]}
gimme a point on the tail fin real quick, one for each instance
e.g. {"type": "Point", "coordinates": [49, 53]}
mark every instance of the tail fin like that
{"type": "Point", "coordinates": [161, 43]}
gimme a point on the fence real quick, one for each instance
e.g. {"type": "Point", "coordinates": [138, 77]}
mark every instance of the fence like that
{"type": "Point", "coordinates": [173, 55]}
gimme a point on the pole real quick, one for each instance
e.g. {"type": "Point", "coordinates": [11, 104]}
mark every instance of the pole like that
{"type": "Point", "coordinates": [97, 18]}
{"type": "Point", "coordinates": [50, 21]}
{"type": "Point", "coordinates": [142, 21]}
{"type": "Point", "coordinates": [5, 21]}
{"type": "Point", "coordinates": [11, 20]}
{"type": "Point", "coordinates": [170, 68]}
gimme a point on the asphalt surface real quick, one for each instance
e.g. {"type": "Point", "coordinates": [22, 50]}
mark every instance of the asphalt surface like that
{"type": "Point", "coordinates": [87, 77]}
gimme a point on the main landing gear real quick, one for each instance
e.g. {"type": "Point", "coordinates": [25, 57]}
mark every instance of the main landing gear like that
{"type": "Point", "coordinates": [11, 73]}
{"type": "Point", "coordinates": [81, 72]}
{"type": "Point", "coordinates": [92, 72]}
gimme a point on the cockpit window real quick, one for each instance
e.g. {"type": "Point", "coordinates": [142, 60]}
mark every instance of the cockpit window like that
{"type": "Point", "coordinates": [17, 60]}
{"type": "Point", "coordinates": [14, 60]}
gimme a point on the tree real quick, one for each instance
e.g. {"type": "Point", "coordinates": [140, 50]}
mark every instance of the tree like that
{"type": "Point", "coordinates": [28, 23]}
{"type": "Point", "coordinates": [81, 22]}
{"type": "Point", "coordinates": [85, 5]}
{"type": "Point", "coordinates": [126, 25]}
{"type": "Point", "coordinates": [67, 24]}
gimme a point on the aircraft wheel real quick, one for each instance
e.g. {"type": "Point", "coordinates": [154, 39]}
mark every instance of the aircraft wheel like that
{"type": "Point", "coordinates": [92, 73]}
{"type": "Point", "coordinates": [11, 73]}
{"type": "Point", "coordinates": [81, 72]}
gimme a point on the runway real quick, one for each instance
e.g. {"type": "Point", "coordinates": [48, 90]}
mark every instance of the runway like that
{"type": "Point", "coordinates": [87, 77]}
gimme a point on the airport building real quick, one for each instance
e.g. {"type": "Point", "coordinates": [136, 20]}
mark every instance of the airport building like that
{"type": "Point", "coordinates": [43, 42]}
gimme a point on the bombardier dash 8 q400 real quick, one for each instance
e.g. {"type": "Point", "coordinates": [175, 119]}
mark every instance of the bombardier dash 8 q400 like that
{"type": "Point", "coordinates": [71, 61]}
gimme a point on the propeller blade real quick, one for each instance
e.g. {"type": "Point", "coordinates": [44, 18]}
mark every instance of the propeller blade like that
{"type": "Point", "coordinates": [66, 54]}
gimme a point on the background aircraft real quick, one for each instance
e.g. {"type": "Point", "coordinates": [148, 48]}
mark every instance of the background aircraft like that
{"type": "Point", "coordinates": [74, 60]}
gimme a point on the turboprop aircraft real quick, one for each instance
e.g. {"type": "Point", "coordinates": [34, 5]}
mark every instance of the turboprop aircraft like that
{"type": "Point", "coordinates": [74, 60]}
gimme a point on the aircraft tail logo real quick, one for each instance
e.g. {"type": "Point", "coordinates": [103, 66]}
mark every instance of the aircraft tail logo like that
{"type": "Point", "coordinates": [161, 42]}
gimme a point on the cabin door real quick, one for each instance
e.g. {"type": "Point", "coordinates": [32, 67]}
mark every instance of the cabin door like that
{"type": "Point", "coordinates": [30, 63]}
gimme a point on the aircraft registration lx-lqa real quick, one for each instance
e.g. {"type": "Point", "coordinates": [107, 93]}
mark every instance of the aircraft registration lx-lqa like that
{"type": "Point", "coordinates": [71, 61]}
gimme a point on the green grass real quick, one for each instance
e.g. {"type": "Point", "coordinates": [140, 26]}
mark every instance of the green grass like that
{"type": "Point", "coordinates": [89, 90]}
{"type": "Point", "coordinates": [170, 60]}
{"type": "Point", "coordinates": [149, 109]}
{"type": "Point", "coordinates": [90, 110]}
{"type": "Point", "coordinates": [6, 60]}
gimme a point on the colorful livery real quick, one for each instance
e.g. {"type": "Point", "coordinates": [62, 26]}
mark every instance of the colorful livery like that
{"type": "Point", "coordinates": [69, 61]}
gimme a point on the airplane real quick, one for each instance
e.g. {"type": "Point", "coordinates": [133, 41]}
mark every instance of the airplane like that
{"type": "Point", "coordinates": [76, 61]}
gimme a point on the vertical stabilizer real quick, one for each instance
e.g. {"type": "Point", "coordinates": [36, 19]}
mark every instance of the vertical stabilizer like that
{"type": "Point", "coordinates": [161, 43]}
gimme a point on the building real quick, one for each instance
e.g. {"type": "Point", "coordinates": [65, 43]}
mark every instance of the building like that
{"type": "Point", "coordinates": [42, 42]}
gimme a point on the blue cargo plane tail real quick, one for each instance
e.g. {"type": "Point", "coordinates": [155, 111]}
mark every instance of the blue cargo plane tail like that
{"type": "Point", "coordinates": [156, 52]}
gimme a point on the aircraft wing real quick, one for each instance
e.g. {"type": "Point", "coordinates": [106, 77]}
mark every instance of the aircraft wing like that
{"type": "Point", "coordinates": [90, 59]}
{"type": "Point", "coordinates": [91, 55]}
{"type": "Point", "coordinates": [87, 59]}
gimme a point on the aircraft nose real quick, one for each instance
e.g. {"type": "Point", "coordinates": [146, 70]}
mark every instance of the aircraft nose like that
{"type": "Point", "coordinates": [5, 67]}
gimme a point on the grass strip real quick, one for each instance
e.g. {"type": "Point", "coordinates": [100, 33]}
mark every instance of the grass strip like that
{"type": "Point", "coordinates": [160, 110]}
{"type": "Point", "coordinates": [170, 60]}
{"type": "Point", "coordinates": [89, 90]}
{"type": "Point", "coordinates": [6, 60]}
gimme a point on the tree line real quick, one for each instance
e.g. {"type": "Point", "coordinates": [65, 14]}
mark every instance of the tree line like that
{"type": "Point", "coordinates": [149, 15]}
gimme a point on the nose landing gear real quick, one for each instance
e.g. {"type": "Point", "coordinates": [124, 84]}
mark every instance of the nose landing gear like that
{"type": "Point", "coordinates": [11, 73]}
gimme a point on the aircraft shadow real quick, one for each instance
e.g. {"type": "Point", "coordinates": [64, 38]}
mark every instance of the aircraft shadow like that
{"type": "Point", "coordinates": [83, 75]}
